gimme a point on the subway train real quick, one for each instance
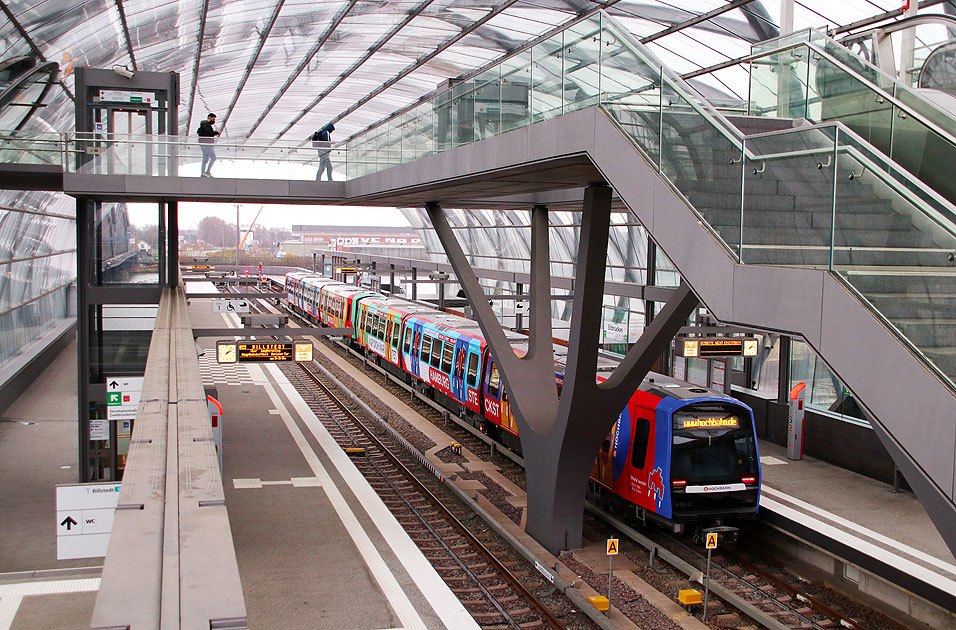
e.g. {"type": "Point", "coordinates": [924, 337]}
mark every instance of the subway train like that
{"type": "Point", "coordinates": [678, 454]}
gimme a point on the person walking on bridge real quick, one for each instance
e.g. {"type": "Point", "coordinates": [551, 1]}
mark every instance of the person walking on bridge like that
{"type": "Point", "coordinates": [207, 136]}
{"type": "Point", "coordinates": [322, 140]}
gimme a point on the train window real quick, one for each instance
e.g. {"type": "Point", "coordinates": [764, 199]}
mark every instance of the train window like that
{"type": "Point", "coordinates": [381, 328]}
{"type": "Point", "coordinates": [494, 381]}
{"type": "Point", "coordinates": [426, 348]}
{"type": "Point", "coordinates": [472, 369]}
{"type": "Point", "coordinates": [436, 354]}
{"type": "Point", "coordinates": [460, 364]}
{"type": "Point", "coordinates": [388, 329]}
{"type": "Point", "coordinates": [642, 432]}
{"type": "Point", "coordinates": [368, 324]}
{"type": "Point", "coordinates": [408, 338]}
{"type": "Point", "coordinates": [396, 334]}
{"type": "Point", "coordinates": [446, 358]}
{"type": "Point", "coordinates": [362, 321]}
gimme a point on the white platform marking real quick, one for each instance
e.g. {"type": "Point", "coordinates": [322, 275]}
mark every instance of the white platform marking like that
{"type": "Point", "coordinates": [770, 460]}
{"type": "Point", "coordinates": [376, 564]}
{"type": "Point", "coordinates": [448, 608]}
{"type": "Point", "coordinates": [11, 595]}
{"type": "Point", "coordinates": [295, 482]}
{"type": "Point", "coordinates": [886, 555]}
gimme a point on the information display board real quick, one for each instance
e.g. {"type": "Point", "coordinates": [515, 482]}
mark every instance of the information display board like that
{"type": "Point", "coordinates": [236, 351]}
{"type": "Point", "coordinates": [708, 347]}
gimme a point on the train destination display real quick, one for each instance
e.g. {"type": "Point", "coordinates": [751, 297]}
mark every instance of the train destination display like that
{"type": "Point", "coordinates": [236, 351]}
{"type": "Point", "coordinates": [706, 347]}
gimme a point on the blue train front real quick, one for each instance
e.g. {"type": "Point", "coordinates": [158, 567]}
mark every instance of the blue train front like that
{"type": "Point", "coordinates": [680, 454]}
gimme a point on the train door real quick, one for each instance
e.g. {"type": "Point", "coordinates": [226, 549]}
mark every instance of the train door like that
{"type": "Point", "coordinates": [646, 480]}
{"type": "Point", "coordinates": [413, 362]}
{"type": "Point", "coordinates": [458, 387]}
{"type": "Point", "coordinates": [388, 336]}
{"type": "Point", "coordinates": [473, 369]}
{"type": "Point", "coordinates": [492, 392]}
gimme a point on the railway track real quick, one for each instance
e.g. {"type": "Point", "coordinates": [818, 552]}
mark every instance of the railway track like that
{"type": "Point", "coordinates": [741, 585]}
{"type": "Point", "coordinates": [757, 593]}
{"type": "Point", "coordinates": [496, 597]}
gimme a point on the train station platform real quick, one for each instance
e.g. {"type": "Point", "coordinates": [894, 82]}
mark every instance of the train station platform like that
{"type": "Point", "coordinates": [315, 545]}
{"type": "Point", "coordinates": [879, 532]}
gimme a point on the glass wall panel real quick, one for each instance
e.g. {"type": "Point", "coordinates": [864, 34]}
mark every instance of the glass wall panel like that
{"type": "Point", "coordinates": [516, 91]}
{"type": "Point", "coordinates": [547, 79]}
{"type": "Point", "coordinates": [824, 391]}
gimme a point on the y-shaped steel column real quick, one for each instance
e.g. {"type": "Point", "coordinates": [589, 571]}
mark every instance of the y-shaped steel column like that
{"type": "Point", "coordinates": [560, 437]}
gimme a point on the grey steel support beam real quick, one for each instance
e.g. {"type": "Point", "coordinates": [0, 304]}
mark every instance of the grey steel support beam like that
{"type": "Point", "coordinates": [421, 61]}
{"type": "Point", "coordinates": [192, 88]}
{"type": "Point", "coordinates": [172, 243]}
{"type": "Point", "coordinates": [333, 24]}
{"type": "Point", "coordinates": [84, 249]}
{"type": "Point", "coordinates": [374, 48]}
{"type": "Point", "coordinates": [126, 37]}
{"type": "Point", "coordinates": [263, 36]}
{"type": "Point", "coordinates": [559, 438]}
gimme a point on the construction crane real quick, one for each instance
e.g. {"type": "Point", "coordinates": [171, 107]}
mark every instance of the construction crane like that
{"type": "Point", "coordinates": [251, 226]}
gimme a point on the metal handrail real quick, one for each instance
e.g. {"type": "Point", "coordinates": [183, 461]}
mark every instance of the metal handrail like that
{"type": "Point", "coordinates": [950, 137]}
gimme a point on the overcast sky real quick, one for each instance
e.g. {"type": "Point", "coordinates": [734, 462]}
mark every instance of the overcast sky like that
{"type": "Point", "coordinates": [282, 216]}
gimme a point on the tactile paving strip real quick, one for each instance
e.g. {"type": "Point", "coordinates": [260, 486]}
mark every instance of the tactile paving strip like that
{"type": "Point", "coordinates": [216, 373]}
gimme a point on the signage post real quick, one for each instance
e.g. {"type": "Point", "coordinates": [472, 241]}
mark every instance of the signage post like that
{"type": "Point", "coordinates": [711, 544]}
{"type": "Point", "coordinates": [612, 549]}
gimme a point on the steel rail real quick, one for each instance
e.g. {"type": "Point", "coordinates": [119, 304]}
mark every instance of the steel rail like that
{"type": "Point", "coordinates": [513, 581]}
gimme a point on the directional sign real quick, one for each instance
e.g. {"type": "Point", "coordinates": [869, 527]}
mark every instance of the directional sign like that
{"type": "Point", "coordinates": [612, 546]}
{"type": "Point", "coordinates": [84, 519]}
{"type": "Point", "coordinates": [122, 396]}
{"type": "Point", "coordinates": [711, 540]}
{"type": "Point", "coordinates": [127, 96]}
{"type": "Point", "coordinates": [231, 306]}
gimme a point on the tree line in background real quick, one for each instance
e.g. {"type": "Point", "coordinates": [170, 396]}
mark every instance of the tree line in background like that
{"type": "Point", "coordinates": [216, 232]}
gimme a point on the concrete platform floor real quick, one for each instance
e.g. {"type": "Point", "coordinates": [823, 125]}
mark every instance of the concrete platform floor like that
{"type": "Point", "coordinates": [866, 502]}
{"type": "Point", "coordinates": [37, 452]}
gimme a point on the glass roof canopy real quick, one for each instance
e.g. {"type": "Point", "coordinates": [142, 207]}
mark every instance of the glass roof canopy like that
{"type": "Point", "coordinates": [279, 69]}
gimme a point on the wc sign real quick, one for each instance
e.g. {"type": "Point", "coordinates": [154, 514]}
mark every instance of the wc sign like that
{"type": "Point", "coordinates": [84, 519]}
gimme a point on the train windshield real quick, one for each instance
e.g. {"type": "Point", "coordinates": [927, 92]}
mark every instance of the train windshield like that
{"type": "Point", "coordinates": [713, 443]}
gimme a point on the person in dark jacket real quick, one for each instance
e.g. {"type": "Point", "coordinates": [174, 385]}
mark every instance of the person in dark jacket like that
{"type": "Point", "coordinates": [322, 140]}
{"type": "Point", "coordinates": [207, 135]}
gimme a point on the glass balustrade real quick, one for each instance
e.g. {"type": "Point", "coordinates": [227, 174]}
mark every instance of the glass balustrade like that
{"type": "Point", "coordinates": [811, 76]}
{"type": "Point", "coordinates": [175, 156]}
{"type": "Point", "coordinates": [33, 148]}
